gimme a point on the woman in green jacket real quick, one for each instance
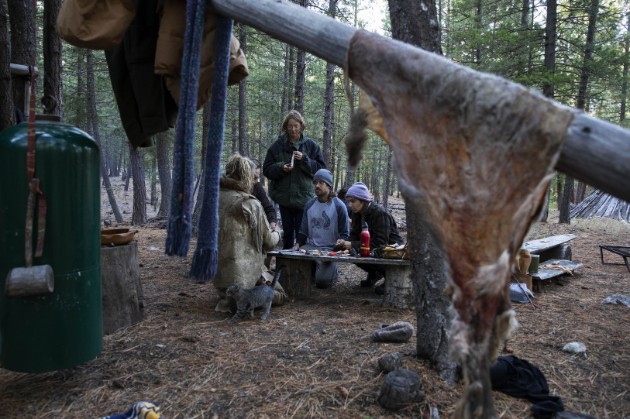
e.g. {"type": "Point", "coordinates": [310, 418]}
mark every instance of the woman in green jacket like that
{"type": "Point", "coordinates": [290, 164]}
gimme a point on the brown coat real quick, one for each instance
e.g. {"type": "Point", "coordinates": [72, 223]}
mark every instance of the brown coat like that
{"type": "Point", "coordinates": [244, 236]}
{"type": "Point", "coordinates": [169, 50]}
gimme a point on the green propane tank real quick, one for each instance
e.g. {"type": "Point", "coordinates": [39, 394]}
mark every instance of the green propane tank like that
{"type": "Point", "coordinates": [64, 328]}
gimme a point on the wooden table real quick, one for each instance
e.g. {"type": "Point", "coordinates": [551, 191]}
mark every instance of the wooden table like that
{"type": "Point", "coordinates": [296, 279]}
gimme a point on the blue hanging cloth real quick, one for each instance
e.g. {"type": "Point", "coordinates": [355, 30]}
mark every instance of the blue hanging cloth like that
{"type": "Point", "coordinates": [179, 230]}
{"type": "Point", "coordinates": [204, 263]}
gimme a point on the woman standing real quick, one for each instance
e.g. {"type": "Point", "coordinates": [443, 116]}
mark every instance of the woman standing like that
{"type": "Point", "coordinates": [290, 164]}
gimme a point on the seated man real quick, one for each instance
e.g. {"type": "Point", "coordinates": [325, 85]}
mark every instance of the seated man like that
{"type": "Point", "coordinates": [324, 222]}
{"type": "Point", "coordinates": [381, 225]}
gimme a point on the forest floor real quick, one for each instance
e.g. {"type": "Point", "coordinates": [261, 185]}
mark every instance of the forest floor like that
{"type": "Point", "coordinates": [314, 358]}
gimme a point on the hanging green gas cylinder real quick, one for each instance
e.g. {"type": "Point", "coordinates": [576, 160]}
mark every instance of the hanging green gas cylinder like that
{"type": "Point", "coordinates": [64, 328]}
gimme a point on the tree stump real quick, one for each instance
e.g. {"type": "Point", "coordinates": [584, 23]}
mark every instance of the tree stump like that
{"type": "Point", "coordinates": [121, 288]}
{"type": "Point", "coordinates": [401, 387]}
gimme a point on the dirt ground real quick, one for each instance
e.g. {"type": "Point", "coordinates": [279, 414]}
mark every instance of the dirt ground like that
{"type": "Point", "coordinates": [314, 358]}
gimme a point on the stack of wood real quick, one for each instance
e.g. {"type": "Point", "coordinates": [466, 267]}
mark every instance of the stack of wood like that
{"type": "Point", "coordinates": [601, 204]}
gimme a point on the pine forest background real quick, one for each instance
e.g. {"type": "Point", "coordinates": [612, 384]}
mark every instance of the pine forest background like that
{"type": "Point", "coordinates": [576, 52]}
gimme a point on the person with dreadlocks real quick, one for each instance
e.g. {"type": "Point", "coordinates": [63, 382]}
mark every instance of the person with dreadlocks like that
{"type": "Point", "coordinates": [244, 234]}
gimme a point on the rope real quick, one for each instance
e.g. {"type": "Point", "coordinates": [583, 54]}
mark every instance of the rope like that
{"type": "Point", "coordinates": [179, 229]}
{"type": "Point", "coordinates": [205, 260]}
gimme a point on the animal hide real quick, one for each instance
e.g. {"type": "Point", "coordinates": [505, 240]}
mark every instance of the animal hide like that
{"type": "Point", "coordinates": [480, 152]}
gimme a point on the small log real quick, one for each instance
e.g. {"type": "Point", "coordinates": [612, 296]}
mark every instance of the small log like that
{"type": "Point", "coordinates": [401, 387]}
{"type": "Point", "coordinates": [121, 287]}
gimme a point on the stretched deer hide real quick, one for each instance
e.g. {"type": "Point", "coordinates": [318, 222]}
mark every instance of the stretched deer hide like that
{"type": "Point", "coordinates": [479, 151]}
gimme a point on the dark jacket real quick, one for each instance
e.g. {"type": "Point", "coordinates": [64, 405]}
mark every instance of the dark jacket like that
{"type": "Point", "coordinates": [295, 188]}
{"type": "Point", "coordinates": [381, 225]}
{"type": "Point", "coordinates": [260, 194]}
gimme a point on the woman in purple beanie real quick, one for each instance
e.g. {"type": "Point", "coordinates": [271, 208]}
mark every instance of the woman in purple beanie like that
{"type": "Point", "coordinates": [381, 225]}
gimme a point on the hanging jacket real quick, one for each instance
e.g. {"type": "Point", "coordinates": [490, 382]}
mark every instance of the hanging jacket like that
{"type": "Point", "coordinates": [170, 48]}
{"type": "Point", "coordinates": [295, 188]}
{"type": "Point", "coordinates": [144, 104]}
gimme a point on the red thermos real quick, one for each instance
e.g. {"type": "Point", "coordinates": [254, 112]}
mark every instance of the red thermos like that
{"type": "Point", "coordinates": [365, 241]}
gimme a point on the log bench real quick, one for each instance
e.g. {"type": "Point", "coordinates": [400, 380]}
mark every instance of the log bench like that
{"type": "Point", "coordinates": [555, 258]}
{"type": "Point", "coordinates": [296, 278]}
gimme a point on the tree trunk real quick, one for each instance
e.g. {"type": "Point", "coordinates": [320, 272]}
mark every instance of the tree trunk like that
{"type": "Point", "coordinates": [415, 23]}
{"type": "Point", "coordinates": [243, 141]}
{"type": "Point", "coordinates": [567, 196]}
{"type": "Point", "coordinates": [429, 273]}
{"type": "Point", "coordinates": [205, 117]}
{"type": "Point", "coordinates": [550, 47]}
{"type": "Point", "coordinates": [139, 215]}
{"type": "Point", "coordinates": [153, 194]}
{"type": "Point", "coordinates": [329, 101]}
{"type": "Point", "coordinates": [300, 75]}
{"type": "Point", "coordinates": [7, 110]}
{"type": "Point", "coordinates": [479, 28]}
{"type": "Point", "coordinates": [388, 178]}
{"type": "Point", "coordinates": [94, 131]}
{"type": "Point", "coordinates": [22, 23]}
{"type": "Point", "coordinates": [288, 78]}
{"type": "Point", "coordinates": [624, 83]}
{"type": "Point", "coordinates": [565, 203]}
{"type": "Point", "coordinates": [23, 41]}
{"type": "Point", "coordinates": [164, 171]}
{"type": "Point", "coordinates": [53, 98]}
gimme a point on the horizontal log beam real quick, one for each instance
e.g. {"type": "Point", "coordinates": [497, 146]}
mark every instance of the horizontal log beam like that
{"type": "Point", "coordinates": [595, 152]}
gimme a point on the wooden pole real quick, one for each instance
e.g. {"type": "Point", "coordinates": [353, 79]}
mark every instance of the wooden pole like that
{"type": "Point", "coordinates": [594, 151]}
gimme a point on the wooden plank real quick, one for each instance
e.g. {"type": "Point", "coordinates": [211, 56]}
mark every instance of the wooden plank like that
{"type": "Point", "coordinates": [540, 245]}
{"type": "Point", "coordinates": [595, 151]}
{"type": "Point", "coordinates": [546, 271]}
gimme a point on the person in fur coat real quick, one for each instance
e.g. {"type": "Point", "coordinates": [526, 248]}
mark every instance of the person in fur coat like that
{"type": "Point", "coordinates": [244, 234]}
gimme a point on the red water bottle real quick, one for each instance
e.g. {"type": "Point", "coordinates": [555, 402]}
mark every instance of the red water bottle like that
{"type": "Point", "coordinates": [365, 241]}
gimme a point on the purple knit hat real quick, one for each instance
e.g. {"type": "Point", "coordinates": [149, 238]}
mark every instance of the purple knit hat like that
{"type": "Point", "coordinates": [359, 191]}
